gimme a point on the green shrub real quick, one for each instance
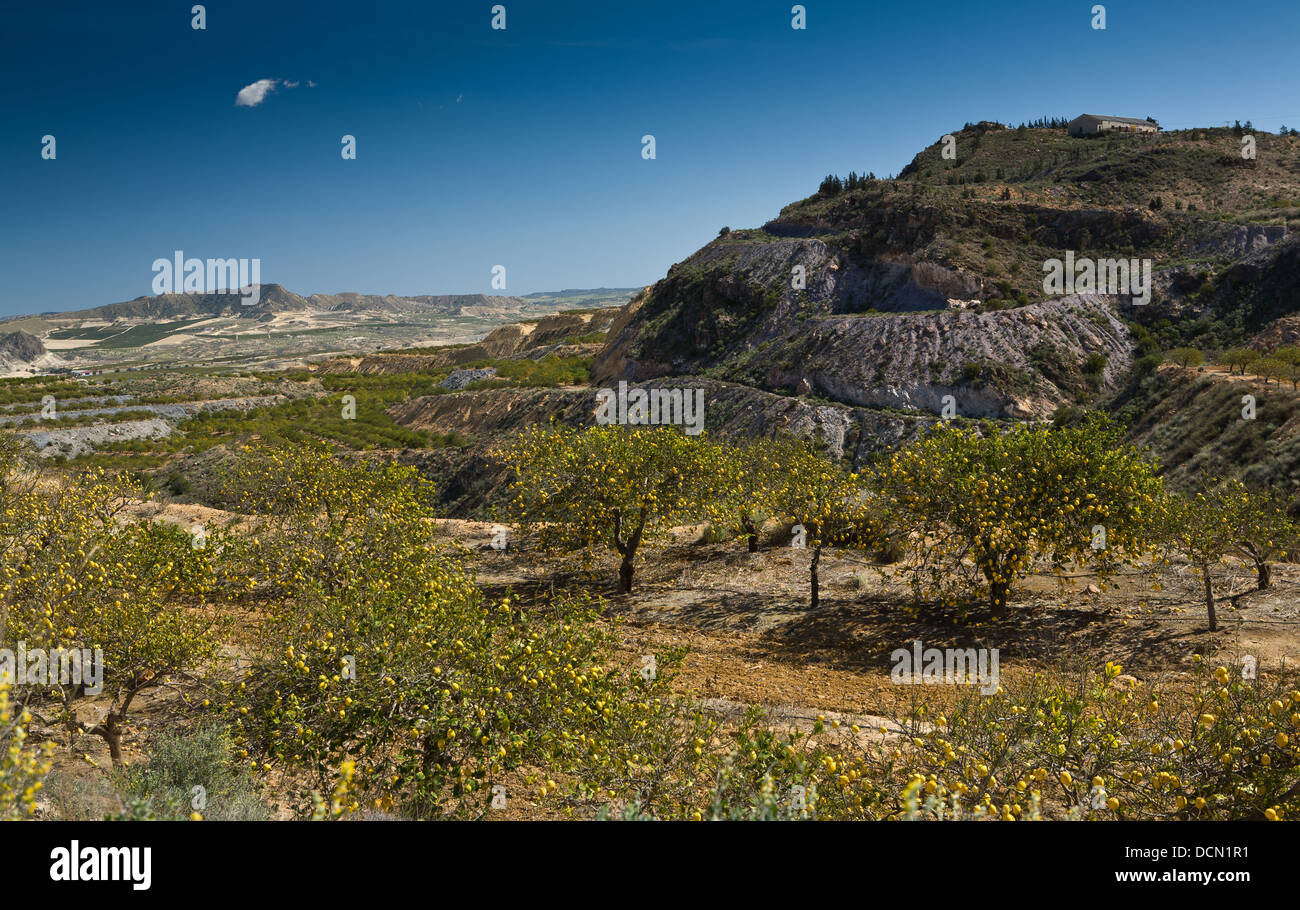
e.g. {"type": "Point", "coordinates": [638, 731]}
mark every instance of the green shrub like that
{"type": "Point", "coordinates": [193, 771]}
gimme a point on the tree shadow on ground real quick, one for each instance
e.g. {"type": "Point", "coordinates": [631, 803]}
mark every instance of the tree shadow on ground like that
{"type": "Point", "coordinates": [862, 634]}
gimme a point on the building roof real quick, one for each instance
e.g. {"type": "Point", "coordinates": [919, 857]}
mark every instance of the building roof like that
{"type": "Point", "coordinates": [1133, 120]}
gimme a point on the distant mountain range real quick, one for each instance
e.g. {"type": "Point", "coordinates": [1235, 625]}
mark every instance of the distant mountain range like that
{"type": "Point", "coordinates": [279, 330]}
{"type": "Point", "coordinates": [277, 299]}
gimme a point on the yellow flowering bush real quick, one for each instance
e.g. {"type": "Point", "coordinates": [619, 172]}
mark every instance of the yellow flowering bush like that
{"type": "Point", "coordinates": [75, 575]}
{"type": "Point", "coordinates": [1076, 745]}
{"type": "Point", "coordinates": [22, 767]}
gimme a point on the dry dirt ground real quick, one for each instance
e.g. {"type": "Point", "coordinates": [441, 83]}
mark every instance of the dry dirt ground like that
{"type": "Point", "coordinates": [751, 638]}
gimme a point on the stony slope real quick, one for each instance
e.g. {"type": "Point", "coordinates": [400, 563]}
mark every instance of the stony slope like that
{"type": "Point", "coordinates": [1193, 423]}
{"type": "Point", "coordinates": [932, 284]}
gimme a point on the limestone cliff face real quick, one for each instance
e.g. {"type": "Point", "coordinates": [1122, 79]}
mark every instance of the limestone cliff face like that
{"type": "Point", "coordinates": [1017, 363]}
{"type": "Point", "coordinates": [735, 294]}
{"type": "Point", "coordinates": [882, 333]}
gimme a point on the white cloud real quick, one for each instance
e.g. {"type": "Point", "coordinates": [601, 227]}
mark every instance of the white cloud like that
{"type": "Point", "coordinates": [255, 94]}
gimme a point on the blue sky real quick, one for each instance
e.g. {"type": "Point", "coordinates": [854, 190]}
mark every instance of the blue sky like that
{"type": "Point", "coordinates": [522, 147]}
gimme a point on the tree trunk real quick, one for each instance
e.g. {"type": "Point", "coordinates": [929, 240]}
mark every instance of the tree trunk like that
{"type": "Point", "coordinates": [999, 594]}
{"type": "Point", "coordinates": [751, 535]}
{"type": "Point", "coordinates": [815, 599]}
{"type": "Point", "coordinates": [628, 550]}
{"type": "Point", "coordinates": [110, 728]}
{"type": "Point", "coordinates": [1264, 574]}
{"type": "Point", "coordinates": [1209, 599]}
{"type": "Point", "coordinates": [111, 731]}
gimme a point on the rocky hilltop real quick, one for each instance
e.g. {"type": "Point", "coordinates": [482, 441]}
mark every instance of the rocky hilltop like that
{"type": "Point", "coordinates": [896, 293]}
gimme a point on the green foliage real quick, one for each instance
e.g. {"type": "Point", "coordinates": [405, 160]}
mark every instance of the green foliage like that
{"type": "Point", "coordinates": [547, 373]}
{"type": "Point", "coordinates": [985, 507]}
{"type": "Point", "coordinates": [1145, 366]}
{"type": "Point", "coordinates": [325, 524]}
{"type": "Point", "coordinates": [1270, 368]}
{"type": "Point", "coordinates": [76, 577]}
{"type": "Point", "coordinates": [612, 487]}
{"type": "Point", "coordinates": [23, 766]}
{"type": "Point", "coordinates": [1094, 749]}
{"type": "Point", "coordinates": [393, 684]}
{"type": "Point", "coordinates": [135, 336]}
{"type": "Point", "coordinates": [191, 772]}
{"type": "Point", "coordinates": [1239, 358]}
{"type": "Point", "coordinates": [1186, 357]}
{"type": "Point", "coordinates": [1229, 518]}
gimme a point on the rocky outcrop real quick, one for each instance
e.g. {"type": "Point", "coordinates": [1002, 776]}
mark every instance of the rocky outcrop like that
{"type": "Point", "coordinates": [21, 346]}
{"type": "Point", "coordinates": [841, 315]}
{"type": "Point", "coordinates": [458, 379]}
{"type": "Point", "coordinates": [22, 354]}
{"type": "Point", "coordinates": [1262, 286]}
{"type": "Point", "coordinates": [76, 441]}
{"type": "Point", "coordinates": [1235, 240]}
{"type": "Point", "coordinates": [1017, 363]}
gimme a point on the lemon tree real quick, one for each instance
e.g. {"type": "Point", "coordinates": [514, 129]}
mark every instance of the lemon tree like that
{"type": "Point", "coordinates": [829, 505]}
{"type": "Point", "coordinates": [319, 518]}
{"type": "Point", "coordinates": [150, 619]}
{"type": "Point", "coordinates": [984, 507]}
{"type": "Point", "coordinates": [383, 674]}
{"type": "Point", "coordinates": [612, 487]}
{"type": "Point", "coordinates": [1080, 744]}
{"type": "Point", "coordinates": [754, 477]}
{"type": "Point", "coordinates": [76, 575]}
{"type": "Point", "coordinates": [23, 766]}
{"type": "Point", "coordinates": [1202, 526]}
{"type": "Point", "coordinates": [1260, 529]}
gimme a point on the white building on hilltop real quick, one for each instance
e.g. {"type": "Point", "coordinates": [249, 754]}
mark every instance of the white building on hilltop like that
{"type": "Point", "coordinates": [1088, 124]}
